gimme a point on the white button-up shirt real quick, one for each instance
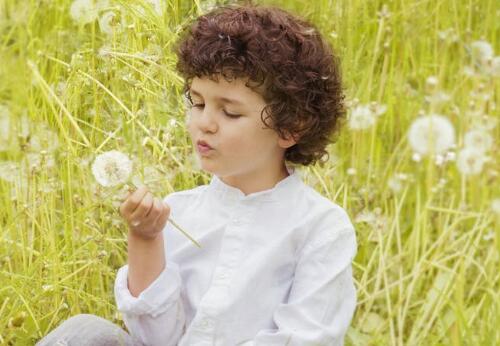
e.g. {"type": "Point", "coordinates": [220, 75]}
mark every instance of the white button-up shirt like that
{"type": "Point", "coordinates": [274, 269]}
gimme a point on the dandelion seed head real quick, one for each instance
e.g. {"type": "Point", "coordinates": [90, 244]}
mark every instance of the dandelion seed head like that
{"type": "Point", "coordinates": [4, 127]}
{"type": "Point", "coordinates": [112, 168]}
{"type": "Point", "coordinates": [83, 11]}
{"type": "Point", "coordinates": [107, 22]}
{"type": "Point", "coordinates": [395, 184]}
{"type": "Point", "coordinates": [481, 51]}
{"type": "Point", "coordinates": [431, 134]}
{"type": "Point", "coordinates": [470, 161]}
{"type": "Point", "coordinates": [361, 117]}
{"type": "Point", "coordinates": [478, 139]}
{"type": "Point", "coordinates": [495, 206]}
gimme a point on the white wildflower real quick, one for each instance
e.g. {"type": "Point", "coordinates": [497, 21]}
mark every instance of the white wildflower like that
{"type": "Point", "coordinates": [432, 133]}
{"type": "Point", "coordinates": [9, 171]}
{"type": "Point", "coordinates": [107, 22]}
{"type": "Point", "coordinates": [485, 122]}
{"type": "Point", "coordinates": [479, 140]}
{"type": "Point", "coordinates": [495, 206]}
{"type": "Point", "coordinates": [481, 51]}
{"type": "Point", "coordinates": [158, 6]}
{"type": "Point", "coordinates": [361, 117]}
{"type": "Point", "coordinates": [431, 83]}
{"type": "Point", "coordinates": [494, 68]}
{"type": "Point", "coordinates": [44, 139]}
{"type": "Point", "coordinates": [365, 216]}
{"type": "Point", "coordinates": [351, 171]}
{"type": "Point", "coordinates": [416, 157]}
{"type": "Point", "coordinates": [4, 128]}
{"type": "Point", "coordinates": [395, 184]}
{"type": "Point", "coordinates": [112, 168]}
{"type": "Point", "coordinates": [470, 161]}
{"type": "Point", "coordinates": [450, 156]}
{"type": "Point", "coordinates": [437, 98]}
{"type": "Point", "coordinates": [83, 11]}
{"type": "Point", "coordinates": [439, 160]}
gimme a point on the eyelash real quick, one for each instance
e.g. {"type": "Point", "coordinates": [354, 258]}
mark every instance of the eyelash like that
{"type": "Point", "coordinates": [199, 105]}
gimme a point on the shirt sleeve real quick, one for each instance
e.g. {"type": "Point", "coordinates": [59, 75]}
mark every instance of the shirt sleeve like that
{"type": "Point", "coordinates": [156, 317]}
{"type": "Point", "coordinates": [323, 296]}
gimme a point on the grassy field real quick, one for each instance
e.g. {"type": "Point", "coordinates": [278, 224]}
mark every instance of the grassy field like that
{"type": "Point", "coordinates": [426, 208]}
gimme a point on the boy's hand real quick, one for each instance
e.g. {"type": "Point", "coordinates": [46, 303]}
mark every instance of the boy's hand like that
{"type": "Point", "coordinates": [146, 216]}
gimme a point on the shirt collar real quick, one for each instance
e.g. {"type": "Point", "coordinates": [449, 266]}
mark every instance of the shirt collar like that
{"type": "Point", "coordinates": [280, 191]}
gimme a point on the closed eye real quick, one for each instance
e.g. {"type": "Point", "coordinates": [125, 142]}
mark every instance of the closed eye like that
{"type": "Point", "coordinates": [201, 105]}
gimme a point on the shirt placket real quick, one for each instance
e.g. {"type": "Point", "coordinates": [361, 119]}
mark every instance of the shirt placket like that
{"type": "Point", "coordinates": [213, 301]}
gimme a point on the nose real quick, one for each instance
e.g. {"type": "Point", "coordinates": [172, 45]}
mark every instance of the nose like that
{"type": "Point", "coordinates": [206, 120]}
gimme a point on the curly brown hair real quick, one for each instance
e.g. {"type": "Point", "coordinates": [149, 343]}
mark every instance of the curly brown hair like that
{"type": "Point", "coordinates": [298, 70]}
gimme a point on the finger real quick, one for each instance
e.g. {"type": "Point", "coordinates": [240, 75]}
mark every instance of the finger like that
{"type": "Point", "coordinates": [155, 210]}
{"type": "Point", "coordinates": [134, 200]}
{"type": "Point", "coordinates": [143, 208]}
{"type": "Point", "coordinates": [162, 219]}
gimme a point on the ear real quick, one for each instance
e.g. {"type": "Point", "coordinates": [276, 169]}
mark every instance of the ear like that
{"type": "Point", "coordinates": [288, 141]}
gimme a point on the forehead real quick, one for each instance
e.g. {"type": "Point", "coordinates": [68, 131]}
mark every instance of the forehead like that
{"type": "Point", "coordinates": [234, 90]}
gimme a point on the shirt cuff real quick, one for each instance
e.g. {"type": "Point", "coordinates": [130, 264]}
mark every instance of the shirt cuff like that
{"type": "Point", "coordinates": [155, 299]}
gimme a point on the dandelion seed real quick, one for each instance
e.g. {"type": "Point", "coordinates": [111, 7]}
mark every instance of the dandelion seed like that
{"type": "Point", "coordinates": [112, 168]}
{"type": "Point", "coordinates": [478, 140]}
{"type": "Point", "coordinates": [107, 22]}
{"type": "Point", "coordinates": [395, 184]}
{"type": "Point", "coordinates": [365, 216]}
{"type": "Point", "coordinates": [416, 157]}
{"type": "Point", "coordinates": [431, 134]}
{"type": "Point", "coordinates": [439, 160]}
{"type": "Point", "coordinates": [83, 11]}
{"type": "Point", "coordinates": [4, 128]}
{"type": "Point", "coordinates": [495, 206]}
{"type": "Point", "coordinates": [361, 117]}
{"type": "Point", "coordinates": [481, 51]}
{"type": "Point", "coordinates": [485, 123]}
{"type": "Point", "coordinates": [437, 98]}
{"type": "Point", "coordinates": [378, 109]}
{"type": "Point", "coordinates": [470, 161]}
{"type": "Point", "coordinates": [10, 171]}
{"type": "Point", "coordinates": [431, 83]}
{"type": "Point", "coordinates": [44, 139]}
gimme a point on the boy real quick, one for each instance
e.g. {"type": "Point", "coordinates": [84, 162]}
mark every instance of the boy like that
{"type": "Point", "coordinates": [275, 263]}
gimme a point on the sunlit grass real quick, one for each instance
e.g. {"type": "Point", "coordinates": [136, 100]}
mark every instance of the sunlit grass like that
{"type": "Point", "coordinates": [427, 222]}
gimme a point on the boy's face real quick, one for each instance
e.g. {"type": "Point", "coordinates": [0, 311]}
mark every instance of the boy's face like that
{"type": "Point", "coordinates": [244, 149]}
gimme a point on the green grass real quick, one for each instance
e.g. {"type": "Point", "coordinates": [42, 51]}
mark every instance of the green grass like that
{"type": "Point", "coordinates": [427, 265]}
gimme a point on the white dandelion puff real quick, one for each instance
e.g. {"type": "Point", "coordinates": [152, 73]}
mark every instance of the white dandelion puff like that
{"type": "Point", "coordinates": [83, 11]}
{"type": "Point", "coordinates": [107, 22]}
{"type": "Point", "coordinates": [112, 168]}
{"type": "Point", "coordinates": [478, 139]}
{"type": "Point", "coordinates": [361, 117]}
{"type": "Point", "coordinates": [481, 51]}
{"type": "Point", "coordinates": [4, 128]}
{"type": "Point", "coordinates": [395, 184]}
{"type": "Point", "coordinates": [470, 161]}
{"type": "Point", "coordinates": [431, 134]}
{"type": "Point", "coordinates": [495, 206]}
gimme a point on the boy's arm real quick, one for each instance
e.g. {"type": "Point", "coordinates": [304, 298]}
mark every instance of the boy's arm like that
{"type": "Point", "coordinates": [146, 260]}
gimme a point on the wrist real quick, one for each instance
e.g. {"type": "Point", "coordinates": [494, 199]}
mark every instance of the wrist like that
{"type": "Point", "coordinates": [142, 238]}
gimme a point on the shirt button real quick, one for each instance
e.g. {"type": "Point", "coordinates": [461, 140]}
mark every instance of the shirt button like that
{"type": "Point", "coordinates": [206, 323]}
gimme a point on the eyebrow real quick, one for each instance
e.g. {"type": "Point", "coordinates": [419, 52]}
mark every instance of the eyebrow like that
{"type": "Point", "coordinates": [224, 99]}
